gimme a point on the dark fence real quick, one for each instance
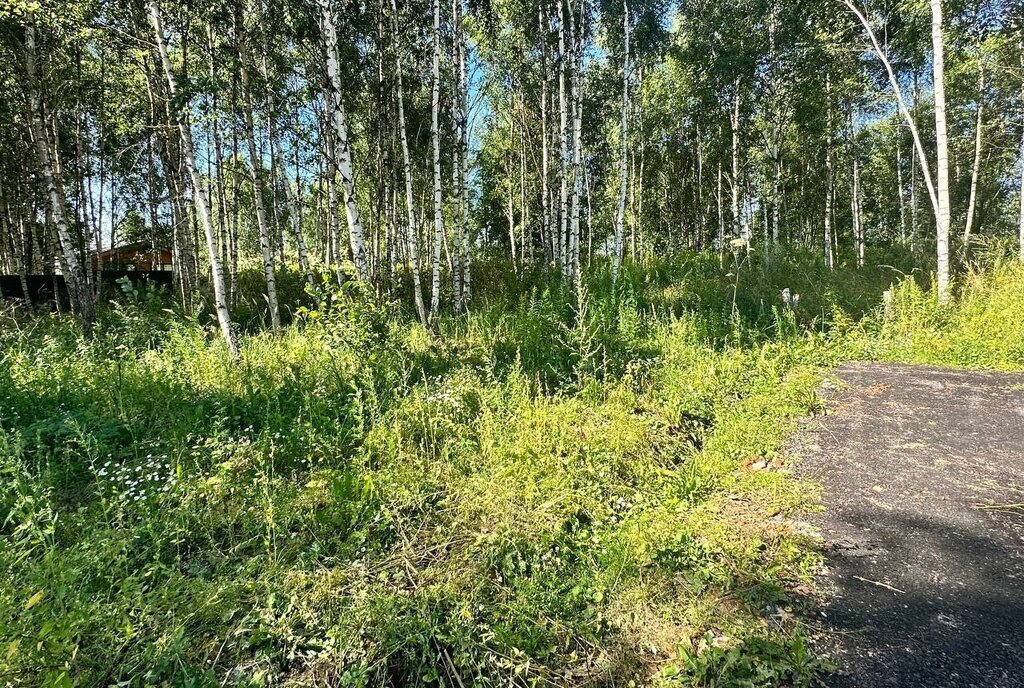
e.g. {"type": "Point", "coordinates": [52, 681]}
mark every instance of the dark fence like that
{"type": "Point", "coordinates": [47, 289]}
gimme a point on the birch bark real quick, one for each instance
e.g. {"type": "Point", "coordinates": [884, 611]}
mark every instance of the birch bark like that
{"type": "Point", "coordinates": [435, 140]}
{"type": "Point", "coordinates": [256, 162]}
{"type": "Point", "coordinates": [738, 226]}
{"type": "Point", "coordinates": [413, 241]}
{"type": "Point", "coordinates": [74, 274]}
{"type": "Point", "coordinates": [198, 191]}
{"type": "Point", "coordinates": [563, 141]}
{"type": "Point", "coordinates": [577, 145]}
{"type": "Point", "coordinates": [620, 209]}
{"type": "Point", "coordinates": [976, 166]}
{"type": "Point", "coordinates": [942, 152]}
{"type": "Point", "coordinates": [343, 152]}
{"type": "Point", "coordinates": [1020, 227]}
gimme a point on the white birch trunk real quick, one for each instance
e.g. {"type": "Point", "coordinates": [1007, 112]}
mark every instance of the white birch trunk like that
{"type": "Point", "coordinates": [776, 194]}
{"type": "Point", "coordinates": [856, 211]}
{"type": "Point", "coordinates": [829, 176]}
{"type": "Point", "coordinates": [343, 152]}
{"type": "Point", "coordinates": [198, 191]}
{"type": "Point", "coordinates": [256, 162]}
{"type": "Point", "coordinates": [721, 211]}
{"type": "Point", "coordinates": [74, 276]}
{"type": "Point", "coordinates": [435, 139]}
{"type": "Point", "coordinates": [1020, 227]}
{"type": "Point", "coordinates": [620, 209]}
{"type": "Point", "coordinates": [942, 152]}
{"type": "Point", "coordinates": [563, 142]}
{"type": "Point", "coordinates": [976, 166]}
{"type": "Point", "coordinates": [577, 149]}
{"type": "Point", "coordinates": [546, 226]}
{"type": "Point", "coordinates": [738, 226]}
{"type": "Point", "coordinates": [899, 189]}
{"type": "Point", "coordinates": [413, 241]}
{"type": "Point", "coordinates": [463, 200]}
{"type": "Point", "coordinates": [457, 228]}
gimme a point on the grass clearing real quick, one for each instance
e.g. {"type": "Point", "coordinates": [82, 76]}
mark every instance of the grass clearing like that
{"type": "Point", "coordinates": [552, 491]}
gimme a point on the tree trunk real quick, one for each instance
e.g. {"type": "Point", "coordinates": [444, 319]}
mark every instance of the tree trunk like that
{"type": "Point", "coordinates": [829, 176]}
{"type": "Point", "coordinates": [256, 162]}
{"type": "Point", "coordinates": [199, 193]}
{"type": "Point", "coordinates": [467, 242]}
{"type": "Point", "coordinates": [546, 229]}
{"type": "Point", "coordinates": [738, 227]}
{"type": "Point", "coordinates": [721, 213]}
{"type": "Point", "coordinates": [1020, 228]}
{"type": "Point", "coordinates": [343, 152]}
{"type": "Point", "coordinates": [413, 241]}
{"type": "Point", "coordinates": [74, 274]}
{"type": "Point", "coordinates": [435, 140]}
{"type": "Point", "coordinates": [457, 228]}
{"type": "Point", "coordinates": [857, 214]}
{"type": "Point", "coordinates": [899, 189]}
{"type": "Point", "coordinates": [218, 149]}
{"type": "Point", "coordinates": [563, 141]}
{"type": "Point", "coordinates": [942, 152]}
{"type": "Point", "coordinates": [776, 194]}
{"type": "Point", "coordinates": [620, 209]}
{"type": "Point", "coordinates": [577, 146]}
{"type": "Point", "coordinates": [976, 166]}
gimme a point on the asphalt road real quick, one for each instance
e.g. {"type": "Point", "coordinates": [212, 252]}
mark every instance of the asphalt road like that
{"type": "Point", "coordinates": [922, 472]}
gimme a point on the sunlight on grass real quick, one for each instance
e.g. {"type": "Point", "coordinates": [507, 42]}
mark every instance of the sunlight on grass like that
{"type": "Point", "coordinates": [550, 490]}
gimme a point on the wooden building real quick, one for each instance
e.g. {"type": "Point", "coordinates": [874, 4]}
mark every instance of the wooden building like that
{"type": "Point", "coordinates": [139, 256]}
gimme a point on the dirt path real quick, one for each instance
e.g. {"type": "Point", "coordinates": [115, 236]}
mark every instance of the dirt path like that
{"type": "Point", "coordinates": [923, 477]}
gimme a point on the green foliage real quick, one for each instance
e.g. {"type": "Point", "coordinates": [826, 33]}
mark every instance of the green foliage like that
{"type": "Point", "coordinates": [551, 490]}
{"type": "Point", "coordinates": [981, 329]}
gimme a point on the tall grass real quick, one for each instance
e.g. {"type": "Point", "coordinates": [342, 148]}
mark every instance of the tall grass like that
{"type": "Point", "coordinates": [559, 489]}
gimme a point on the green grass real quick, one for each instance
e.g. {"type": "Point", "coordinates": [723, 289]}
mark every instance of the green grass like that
{"type": "Point", "coordinates": [550, 491]}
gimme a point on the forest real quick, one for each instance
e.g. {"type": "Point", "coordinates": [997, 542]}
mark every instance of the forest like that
{"type": "Point", "coordinates": [486, 327]}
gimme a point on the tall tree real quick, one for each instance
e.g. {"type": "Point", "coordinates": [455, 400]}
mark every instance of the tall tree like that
{"type": "Point", "coordinates": [342, 149]}
{"type": "Point", "coordinates": [256, 163]}
{"type": "Point", "coordinates": [435, 141]}
{"type": "Point", "coordinates": [74, 273]}
{"type": "Point", "coordinates": [942, 218]}
{"type": "Point", "coordinates": [620, 208]}
{"type": "Point", "coordinates": [202, 201]}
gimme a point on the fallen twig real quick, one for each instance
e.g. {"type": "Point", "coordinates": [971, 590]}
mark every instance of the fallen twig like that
{"type": "Point", "coordinates": [881, 585]}
{"type": "Point", "coordinates": [1000, 507]}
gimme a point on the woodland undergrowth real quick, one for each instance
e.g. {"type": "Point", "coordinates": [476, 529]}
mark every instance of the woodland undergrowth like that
{"type": "Point", "coordinates": [563, 488]}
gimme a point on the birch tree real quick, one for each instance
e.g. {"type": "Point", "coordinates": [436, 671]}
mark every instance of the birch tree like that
{"type": "Point", "coordinates": [976, 165]}
{"type": "Point", "coordinates": [435, 140]}
{"type": "Point", "coordinates": [410, 201]}
{"type": "Point", "coordinates": [577, 34]}
{"type": "Point", "coordinates": [563, 139]}
{"type": "Point", "coordinates": [198, 190]}
{"type": "Point", "coordinates": [1020, 217]}
{"type": "Point", "coordinates": [342, 151]}
{"type": "Point", "coordinates": [462, 160]}
{"type": "Point", "coordinates": [256, 162]}
{"type": "Point", "coordinates": [938, 190]}
{"type": "Point", "coordinates": [620, 209]}
{"type": "Point", "coordinates": [74, 274]}
{"type": "Point", "coordinates": [941, 150]}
